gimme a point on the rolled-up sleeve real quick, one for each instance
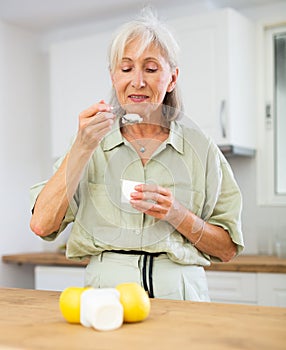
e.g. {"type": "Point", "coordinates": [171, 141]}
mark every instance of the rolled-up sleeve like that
{"type": "Point", "coordinates": [228, 204]}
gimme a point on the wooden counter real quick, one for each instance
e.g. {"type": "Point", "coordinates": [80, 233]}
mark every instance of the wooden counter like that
{"type": "Point", "coordinates": [243, 263]}
{"type": "Point", "coordinates": [42, 258]}
{"type": "Point", "coordinates": [31, 320]}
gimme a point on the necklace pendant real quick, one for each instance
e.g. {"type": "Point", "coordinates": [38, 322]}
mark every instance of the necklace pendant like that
{"type": "Point", "coordinates": [142, 149]}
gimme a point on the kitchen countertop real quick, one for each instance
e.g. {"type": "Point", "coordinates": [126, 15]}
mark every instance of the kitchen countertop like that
{"type": "Point", "coordinates": [31, 320]}
{"type": "Point", "coordinates": [242, 263]}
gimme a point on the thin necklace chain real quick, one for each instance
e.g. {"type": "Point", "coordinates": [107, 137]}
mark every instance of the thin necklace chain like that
{"type": "Point", "coordinates": [142, 148]}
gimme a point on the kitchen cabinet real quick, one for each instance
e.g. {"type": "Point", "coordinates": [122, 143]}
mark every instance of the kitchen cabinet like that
{"type": "Point", "coordinates": [267, 289]}
{"type": "Point", "coordinates": [232, 287]}
{"type": "Point", "coordinates": [217, 76]}
{"type": "Point", "coordinates": [272, 289]}
{"type": "Point", "coordinates": [57, 278]}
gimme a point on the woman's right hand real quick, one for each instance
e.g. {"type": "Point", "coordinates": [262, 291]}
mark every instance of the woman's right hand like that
{"type": "Point", "coordinates": [94, 123]}
{"type": "Point", "coordinates": [53, 201]}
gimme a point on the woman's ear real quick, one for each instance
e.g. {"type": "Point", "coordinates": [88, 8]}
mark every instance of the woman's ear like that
{"type": "Point", "coordinates": [173, 81]}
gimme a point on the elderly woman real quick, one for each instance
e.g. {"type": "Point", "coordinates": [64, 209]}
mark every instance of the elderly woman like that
{"type": "Point", "coordinates": [152, 200]}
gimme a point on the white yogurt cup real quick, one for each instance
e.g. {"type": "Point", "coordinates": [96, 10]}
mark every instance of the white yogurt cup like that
{"type": "Point", "coordinates": [127, 187]}
{"type": "Point", "coordinates": [101, 309]}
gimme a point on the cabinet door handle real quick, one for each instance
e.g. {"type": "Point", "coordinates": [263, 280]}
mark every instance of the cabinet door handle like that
{"type": "Point", "coordinates": [222, 118]}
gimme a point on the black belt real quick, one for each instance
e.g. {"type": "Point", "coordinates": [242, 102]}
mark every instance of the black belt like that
{"type": "Point", "coordinates": [146, 256]}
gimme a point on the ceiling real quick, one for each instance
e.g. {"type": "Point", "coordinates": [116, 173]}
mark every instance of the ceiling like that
{"type": "Point", "coordinates": [46, 15]}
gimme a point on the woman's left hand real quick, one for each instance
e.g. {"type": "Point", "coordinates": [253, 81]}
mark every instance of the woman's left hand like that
{"type": "Point", "coordinates": [160, 203]}
{"type": "Point", "coordinates": [156, 201]}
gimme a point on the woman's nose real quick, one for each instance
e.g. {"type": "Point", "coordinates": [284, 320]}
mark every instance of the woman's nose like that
{"type": "Point", "coordinates": [138, 80]}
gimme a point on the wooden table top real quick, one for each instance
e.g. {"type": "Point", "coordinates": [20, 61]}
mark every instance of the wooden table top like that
{"type": "Point", "coordinates": [242, 263]}
{"type": "Point", "coordinates": [31, 319]}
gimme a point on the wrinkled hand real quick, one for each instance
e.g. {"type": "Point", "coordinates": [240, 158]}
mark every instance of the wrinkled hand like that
{"type": "Point", "coordinates": [158, 202]}
{"type": "Point", "coordinates": [94, 123]}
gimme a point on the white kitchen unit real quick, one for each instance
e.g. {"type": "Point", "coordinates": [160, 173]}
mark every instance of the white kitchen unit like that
{"type": "Point", "coordinates": [232, 287]}
{"type": "Point", "coordinates": [58, 278]}
{"type": "Point", "coordinates": [217, 76]}
{"type": "Point", "coordinates": [253, 288]}
{"type": "Point", "coordinates": [256, 288]}
{"type": "Point", "coordinates": [272, 289]}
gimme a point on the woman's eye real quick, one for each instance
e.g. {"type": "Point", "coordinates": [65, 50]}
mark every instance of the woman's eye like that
{"type": "Point", "coordinates": [126, 69]}
{"type": "Point", "coordinates": [151, 70]}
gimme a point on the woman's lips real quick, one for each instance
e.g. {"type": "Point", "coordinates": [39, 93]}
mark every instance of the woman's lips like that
{"type": "Point", "coordinates": [138, 98]}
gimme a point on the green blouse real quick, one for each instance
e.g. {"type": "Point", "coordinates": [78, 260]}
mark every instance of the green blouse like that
{"type": "Point", "coordinates": [188, 163]}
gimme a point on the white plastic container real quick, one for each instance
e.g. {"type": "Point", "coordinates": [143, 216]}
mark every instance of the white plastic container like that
{"type": "Point", "coordinates": [101, 309]}
{"type": "Point", "coordinates": [127, 187]}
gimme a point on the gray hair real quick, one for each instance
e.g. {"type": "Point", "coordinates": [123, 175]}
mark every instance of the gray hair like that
{"type": "Point", "coordinates": [147, 30]}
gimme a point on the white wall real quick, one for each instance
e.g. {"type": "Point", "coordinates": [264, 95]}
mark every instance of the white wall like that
{"type": "Point", "coordinates": [24, 137]}
{"type": "Point", "coordinates": [25, 152]}
{"type": "Point", "coordinates": [260, 223]}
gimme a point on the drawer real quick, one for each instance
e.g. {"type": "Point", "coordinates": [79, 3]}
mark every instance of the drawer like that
{"type": "Point", "coordinates": [232, 287]}
{"type": "Point", "coordinates": [271, 289]}
{"type": "Point", "coordinates": [58, 278]}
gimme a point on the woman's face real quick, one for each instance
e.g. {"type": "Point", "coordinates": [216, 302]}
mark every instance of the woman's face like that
{"type": "Point", "coordinates": [142, 80]}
